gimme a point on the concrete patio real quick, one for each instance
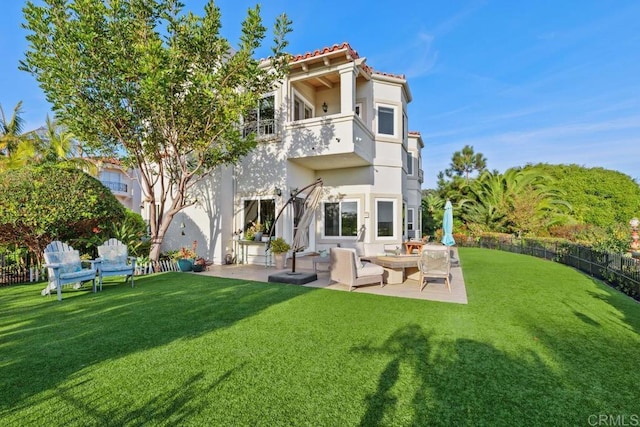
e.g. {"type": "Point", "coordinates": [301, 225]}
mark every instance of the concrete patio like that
{"type": "Point", "coordinates": [436, 290]}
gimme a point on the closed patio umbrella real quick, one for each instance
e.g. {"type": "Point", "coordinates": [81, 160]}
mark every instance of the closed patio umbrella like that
{"type": "Point", "coordinates": [447, 225]}
{"type": "Point", "coordinates": [301, 238]}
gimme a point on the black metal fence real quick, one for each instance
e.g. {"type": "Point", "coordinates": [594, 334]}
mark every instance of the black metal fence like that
{"type": "Point", "coordinates": [619, 271]}
{"type": "Point", "coordinates": [18, 269]}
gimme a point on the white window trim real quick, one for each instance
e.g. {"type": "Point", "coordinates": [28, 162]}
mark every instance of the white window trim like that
{"type": "Point", "coordinates": [307, 103]}
{"type": "Point", "coordinates": [258, 199]}
{"type": "Point", "coordinates": [405, 125]}
{"type": "Point", "coordinates": [413, 219]}
{"type": "Point", "coordinates": [358, 218]}
{"type": "Point", "coordinates": [359, 115]}
{"type": "Point", "coordinates": [395, 219]}
{"type": "Point", "coordinates": [395, 120]}
{"type": "Point", "coordinates": [259, 120]}
{"type": "Point", "coordinates": [411, 170]}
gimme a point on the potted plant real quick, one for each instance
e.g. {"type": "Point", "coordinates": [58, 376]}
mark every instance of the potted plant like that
{"type": "Point", "coordinates": [185, 257]}
{"type": "Point", "coordinates": [199, 265]}
{"type": "Point", "coordinates": [279, 248]}
{"type": "Point", "coordinates": [254, 232]}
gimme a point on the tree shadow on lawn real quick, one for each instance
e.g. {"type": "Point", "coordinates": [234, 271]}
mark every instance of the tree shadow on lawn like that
{"type": "Point", "coordinates": [44, 342]}
{"type": "Point", "coordinates": [627, 306]}
{"type": "Point", "coordinates": [175, 406]}
{"type": "Point", "coordinates": [466, 382]}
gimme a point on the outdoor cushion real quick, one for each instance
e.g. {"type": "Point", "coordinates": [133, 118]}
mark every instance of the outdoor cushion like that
{"type": "Point", "coordinates": [369, 269]}
{"type": "Point", "coordinates": [78, 274]}
{"type": "Point", "coordinates": [113, 267]}
{"type": "Point", "coordinates": [112, 256]}
{"type": "Point", "coordinates": [65, 268]}
{"type": "Point", "coordinates": [356, 258]}
{"type": "Point", "coordinates": [69, 261]}
{"type": "Point", "coordinates": [114, 261]}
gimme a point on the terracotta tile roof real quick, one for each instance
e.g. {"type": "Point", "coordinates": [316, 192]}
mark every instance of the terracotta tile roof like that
{"type": "Point", "coordinates": [110, 160]}
{"type": "Point", "coordinates": [414, 133]}
{"type": "Point", "coordinates": [328, 49]}
{"type": "Point", "coordinates": [352, 53]}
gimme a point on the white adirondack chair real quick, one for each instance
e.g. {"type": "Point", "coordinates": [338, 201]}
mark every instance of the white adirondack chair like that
{"type": "Point", "coordinates": [114, 261]}
{"type": "Point", "coordinates": [64, 267]}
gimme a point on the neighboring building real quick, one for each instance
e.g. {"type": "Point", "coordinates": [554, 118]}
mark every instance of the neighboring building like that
{"type": "Point", "coordinates": [334, 118]}
{"type": "Point", "coordinates": [119, 180]}
{"type": "Point", "coordinates": [110, 173]}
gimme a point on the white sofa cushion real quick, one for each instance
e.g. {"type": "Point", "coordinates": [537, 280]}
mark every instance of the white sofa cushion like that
{"type": "Point", "coordinates": [369, 269]}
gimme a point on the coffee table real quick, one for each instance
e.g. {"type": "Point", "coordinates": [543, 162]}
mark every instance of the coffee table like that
{"type": "Point", "coordinates": [397, 268]}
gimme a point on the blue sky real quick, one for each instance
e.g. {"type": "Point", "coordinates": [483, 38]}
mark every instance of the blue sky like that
{"type": "Point", "coordinates": [522, 82]}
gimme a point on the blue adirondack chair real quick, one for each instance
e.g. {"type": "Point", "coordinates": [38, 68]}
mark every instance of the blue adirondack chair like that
{"type": "Point", "coordinates": [64, 267]}
{"type": "Point", "coordinates": [114, 261]}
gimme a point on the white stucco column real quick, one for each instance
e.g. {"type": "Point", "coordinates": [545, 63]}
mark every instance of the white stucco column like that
{"type": "Point", "coordinates": [347, 87]}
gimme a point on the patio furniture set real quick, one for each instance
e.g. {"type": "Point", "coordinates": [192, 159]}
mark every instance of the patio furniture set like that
{"type": "Point", "coordinates": [433, 262]}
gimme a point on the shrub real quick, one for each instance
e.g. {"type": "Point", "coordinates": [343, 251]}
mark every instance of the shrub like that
{"type": "Point", "coordinates": [279, 246]}
{"type": "Point", "coordinates": [38, 205]}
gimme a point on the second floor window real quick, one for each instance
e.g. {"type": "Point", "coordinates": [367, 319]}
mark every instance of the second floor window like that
{"type": "Point", "coordinates": [341, 219]}
{"type": "Point", "coordinates": [385, 120]}
{"type": "Point", "coordinates": [261, 120]}
{"type": "Point", "coordinates": [409, 163]}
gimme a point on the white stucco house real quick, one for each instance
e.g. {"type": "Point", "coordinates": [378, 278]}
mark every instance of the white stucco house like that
{"type": "Point", "coordinates": [122, 182]}
{"type": "Point", "coordinates": [335, 118]}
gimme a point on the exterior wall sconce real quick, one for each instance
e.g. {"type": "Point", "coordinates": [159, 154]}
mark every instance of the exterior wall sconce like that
{"type": "Point", "coordinates": [277, 192]}
{"type": "Point", "coordinates": [325, 107]}
{"type": "Point", "coordinates": [182, 228]}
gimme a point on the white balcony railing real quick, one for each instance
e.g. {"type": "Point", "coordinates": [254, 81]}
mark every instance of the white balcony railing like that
{"type": "Point", "coordinates": [119, 187]}
{"type": "Point", "coordinates": [339, 137]}
{"type": "Point", "coordinates": [262, 128]}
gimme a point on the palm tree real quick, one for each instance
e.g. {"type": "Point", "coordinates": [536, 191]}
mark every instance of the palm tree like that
{"type": "Point", "coordinates": [485, 206]}
{"type": "Point", "coordinates": [15, 146]}
{"type": "Point", "coordinates": [520, 201]}
{"type": "Point", "coordinates": [49, 145]}
{"type": "Point", "coordinates": [55, 145]}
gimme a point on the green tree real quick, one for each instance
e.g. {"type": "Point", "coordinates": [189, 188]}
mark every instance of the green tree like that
{"type": "Point", "coordinates": [432, 211]}
{"type": "Point", "coordinates": [163, 86]}
{"type": "Point", "coordinates": [598, 196]}
{"type": "Point", "coordinates": [519, 201]}
{"type": "Point", "coordinates": [465, 162]}
{"type": "Point", "coordinates": [41, 204]}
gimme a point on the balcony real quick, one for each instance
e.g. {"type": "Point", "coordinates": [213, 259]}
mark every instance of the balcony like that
{"type": "Point", "coordinates": [330, 142]}
{"type": "Point", "coordinates": [115, 187]}
{"type": "Point", "coordinates": [264, 129]}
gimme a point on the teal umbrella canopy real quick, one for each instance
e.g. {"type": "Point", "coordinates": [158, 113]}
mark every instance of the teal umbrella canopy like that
{"type": "Point", "coordinates": [447, 225]}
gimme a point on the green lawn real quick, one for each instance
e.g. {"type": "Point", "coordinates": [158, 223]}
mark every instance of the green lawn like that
{"type": "Point", "coordinates": [538, 343]}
